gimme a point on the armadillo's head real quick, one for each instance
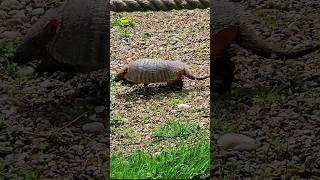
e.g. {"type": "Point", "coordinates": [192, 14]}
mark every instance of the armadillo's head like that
{"type": "Point", "coordinates": [121, 74]}
{"type": "Point", "coordinates": [34, 45]}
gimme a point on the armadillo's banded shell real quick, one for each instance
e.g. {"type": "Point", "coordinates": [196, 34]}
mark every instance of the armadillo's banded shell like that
{"type": "Point", "coordinates": [82, 37]}
{"type": "Point", "coordinates": [224, 14]}
{"type": "Point", "coordinates": [152, 71]}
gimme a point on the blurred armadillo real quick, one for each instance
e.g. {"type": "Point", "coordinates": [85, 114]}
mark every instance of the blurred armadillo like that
{"type": "Point", "coordinates": [229, 24]}
{"type": "Point", "coordinates": [71, 38]}
{"type": "Point", "coordinates": [156, 71]}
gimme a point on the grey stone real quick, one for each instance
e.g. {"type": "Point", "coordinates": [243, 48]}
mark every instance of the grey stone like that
{"type": "Point", "coordinates": [37, 11]}
{"type": "Point", "coordinates": [10, 4]}
{"type": "Point", "coordinates": [94, 127]}
{"type": "Point", "coordinates": [10, 34]}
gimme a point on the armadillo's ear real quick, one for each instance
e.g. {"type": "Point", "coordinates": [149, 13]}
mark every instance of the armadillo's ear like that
{"type": "Point", "coordinates": [124, 69]}
{"type": "Point", "coordinates": [51, 27]}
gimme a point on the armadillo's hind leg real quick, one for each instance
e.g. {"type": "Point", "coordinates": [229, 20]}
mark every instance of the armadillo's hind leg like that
{"type": "Point", "coordinates": [175, 84]}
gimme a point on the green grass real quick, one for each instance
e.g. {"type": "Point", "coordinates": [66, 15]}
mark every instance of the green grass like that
{"type": "Point", "coordinates": [180, 162]}
{"type": "Point", "coordinates": [173, 103]}
{"type": "Point", "coordinates": [173, 129]}
{"type": "Point", "coordinates": [7, 51]}
{"type": "Point", "coordinates": [223, 124]}
{"type": "Point", "coordinates": [123, 24]}
{"type": "Point", "coordinates": [116, 119]}
{"type": "Point", "coordinates": [317, 34]}
{"type": "Point", "coordinates": [266, 98]}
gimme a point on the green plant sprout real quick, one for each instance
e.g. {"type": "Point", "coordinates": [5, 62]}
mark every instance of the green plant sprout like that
{"type": "Point", "coordinates": [123, 24]}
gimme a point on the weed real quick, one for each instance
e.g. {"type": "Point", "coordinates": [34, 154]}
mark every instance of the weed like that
{"type": "Point", "coordinates": [28, 174]}
{"type": "Point", "coordinates": [172, 102]}
{"type": "Point", "coordinates": [145, 36]}
{"type": "Point", "coordinates": [266, 98]}
{"type": "Point", "coordinates": [116, 119]}
{"type": "Point", "coordinates": [153, 55]}
{"type": "Point", "coordinates": [317, 35]}
{"type": "Point", "coordinates": [174, 128]}
{"type": "Point", "coordinates": [152, 111]}
{"type": "Point", "coordinates": [279, 147]}
{"type": "Point", "coordinates": [113, 129]}
{"type": "Point", "coordinates": [128, 132]}
{"type": "Point", "coordinates": [123, 24]}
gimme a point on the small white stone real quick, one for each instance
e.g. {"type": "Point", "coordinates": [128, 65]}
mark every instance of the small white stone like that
{"type": "Point", "coordinates": [184, 106]}
{"type": "Point", "coordinates": [94, 127]}
{"type": "Point", "coordinates": [37, 11]}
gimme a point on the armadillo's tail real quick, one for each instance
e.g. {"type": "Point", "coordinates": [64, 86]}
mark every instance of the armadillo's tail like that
{"type": "Point", "coordinates": [189, 74]}
{"type": "Point", "coordinates": [251, 41]}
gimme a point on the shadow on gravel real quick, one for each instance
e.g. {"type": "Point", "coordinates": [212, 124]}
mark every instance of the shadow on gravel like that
{"type": "Point", "coordinates": [153, 92]}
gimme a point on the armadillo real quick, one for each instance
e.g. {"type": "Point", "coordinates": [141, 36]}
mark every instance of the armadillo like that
{"type": "Point", "coordinates": [229, 24]}
{"type": "Point", "coordinates": [72, 38]}
{"type": "Point", "coordinates": [156, 71]}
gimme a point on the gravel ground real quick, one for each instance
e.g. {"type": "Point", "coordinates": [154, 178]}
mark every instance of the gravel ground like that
{"type": "Point", "coordinates": [177, 35]}
{"type": "Point", "coordinates": [275, 102]}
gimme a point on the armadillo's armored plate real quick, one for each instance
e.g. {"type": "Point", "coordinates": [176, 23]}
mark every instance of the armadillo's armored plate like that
{"type": "Point", "coordinates": [224, 14]}
{"type": "Point", "coordinates": [152, 71]}
{"type": "Point", "coordinates": [81, 40]}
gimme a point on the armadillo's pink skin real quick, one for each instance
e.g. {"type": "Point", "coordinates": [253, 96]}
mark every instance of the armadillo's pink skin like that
{"type": "Point", "coordinates": [153, 71]}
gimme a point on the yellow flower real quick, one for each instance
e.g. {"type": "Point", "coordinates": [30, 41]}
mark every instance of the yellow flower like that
{"type": "Point", "coordinates": [124, 20]}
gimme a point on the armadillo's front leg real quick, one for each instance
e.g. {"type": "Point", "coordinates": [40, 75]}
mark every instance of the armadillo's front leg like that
{"type": "Point", "coordinates": [50, 66]}
{"type": "Point", "coordinates": [46, 66]}
{"type": "Point", "coordinates": [223, 69]}
{"type": "Point", "coordinates": [176, 84]}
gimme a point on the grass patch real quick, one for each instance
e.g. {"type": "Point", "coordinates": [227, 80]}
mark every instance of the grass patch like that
{"type": "Point", "coordinates": [318, 35]}
{"type": "Point", "coordinates": [222, 124]}
{"type": "Point", "coordinates": [173, 103]}
{"type": "Point", "coordinates": [7, 51]}
{"type": "Point", "coordinates": [116, 119]}
{"type": "Point", "coordinates": [266, 99]}
{"type": "Point", "coordinates": [180, 162]}
{"type": "Point", "coordinates": [173, 129]}
{"type": "Point", "coordinates": [123, 24]}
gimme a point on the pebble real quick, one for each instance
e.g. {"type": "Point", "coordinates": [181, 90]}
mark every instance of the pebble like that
{"type": "Point", "coordinates": [10, 34]}
{"type": "Point", "coordinates": [26, 71]}
{"type": "Point", "coordinates": [184, 106]}
{"type": "Point", "coordinates": [237, 142]}
{"type": "Point", "coordinates": [14, 22]}
{"type": "Point", "coordinates": [37, 11]}
{"type": "Point", "coordinates": [10, 4]}
{"type": "Point", "coordinates": [3, 14]}
{"type": "Point", "coordinates": [94, 127]}
{"type": "Point", "coordinates": [45, 84]}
